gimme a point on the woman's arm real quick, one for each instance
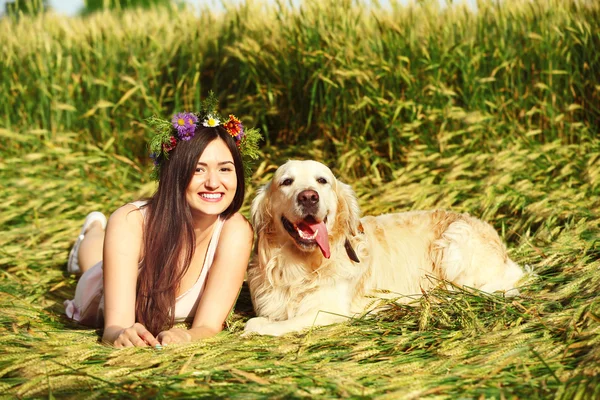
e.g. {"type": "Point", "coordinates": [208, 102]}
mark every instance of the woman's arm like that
{"type": "Point", "coordinates": [122, 250]}
{"type": "Point", "coordinates": [223, 284]}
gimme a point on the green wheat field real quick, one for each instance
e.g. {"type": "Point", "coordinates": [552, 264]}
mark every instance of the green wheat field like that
{"type": "Point", "coordinates": [495, 113]}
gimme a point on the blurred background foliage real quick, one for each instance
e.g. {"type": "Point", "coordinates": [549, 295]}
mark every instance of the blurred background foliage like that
{"type": "Point", "coordinates": [366, 84]}
{"type": "Point", "coordinates": [13, 8]}
{"type": "Point", "coordinates": [494, 112]}
{"type": "Point", "coordinates": [92, 6]}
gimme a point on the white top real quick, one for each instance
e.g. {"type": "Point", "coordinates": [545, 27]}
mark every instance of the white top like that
{"type": "Point", "coordinates": [186, 303]}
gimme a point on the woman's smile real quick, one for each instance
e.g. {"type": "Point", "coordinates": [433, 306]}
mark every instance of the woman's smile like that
{"type": "Point", "coordinates": [211, 197]}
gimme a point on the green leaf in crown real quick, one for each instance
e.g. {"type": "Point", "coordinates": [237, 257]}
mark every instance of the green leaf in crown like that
{"type": "Point", "coordinates": [183, 127]}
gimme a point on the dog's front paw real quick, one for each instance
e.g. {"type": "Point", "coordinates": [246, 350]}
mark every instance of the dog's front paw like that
{"type": "Point", "coordinates": [257, 325]}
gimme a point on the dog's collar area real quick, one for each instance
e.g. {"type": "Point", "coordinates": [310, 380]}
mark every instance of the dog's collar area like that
{"type": "Point", "coordinates": [350, 251]}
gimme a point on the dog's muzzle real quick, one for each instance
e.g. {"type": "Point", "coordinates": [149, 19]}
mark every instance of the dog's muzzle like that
{"type": "Point", "coordinates": [308, 200]}
{"type": "Point", "coordinates": [308, 233]}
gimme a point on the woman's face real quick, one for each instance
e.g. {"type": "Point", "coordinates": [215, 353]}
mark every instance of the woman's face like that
{"type": "Point", "coordinates": [214, 183]}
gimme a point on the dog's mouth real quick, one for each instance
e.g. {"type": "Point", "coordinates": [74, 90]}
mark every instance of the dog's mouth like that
{"type": "Point", "coordinates": [308, 233]}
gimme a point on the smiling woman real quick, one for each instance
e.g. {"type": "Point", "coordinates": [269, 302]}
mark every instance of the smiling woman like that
{"type": "Point", "coordinates": [214, 183]}
{"type": "Point", "coordinates": [168, 259]}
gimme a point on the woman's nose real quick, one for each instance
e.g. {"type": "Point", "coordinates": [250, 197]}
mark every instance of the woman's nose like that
{"type": "Point", "coordinates": [212, 180]}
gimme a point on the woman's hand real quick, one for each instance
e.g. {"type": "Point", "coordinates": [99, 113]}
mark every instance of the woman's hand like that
{"type": "Point", "coordinates": [135, 336]}
{"type": "Point", "coordinates": [174, 335]}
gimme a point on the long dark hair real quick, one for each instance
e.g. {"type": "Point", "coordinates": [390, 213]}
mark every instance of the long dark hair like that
{"type": "Point", "coordinates": [169, 239]}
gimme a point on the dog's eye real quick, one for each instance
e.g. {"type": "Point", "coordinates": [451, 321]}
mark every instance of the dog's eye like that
{"type": "Point", "coordinates": [322, 181]}
{"type": "Point", "coordinates": [287, 182]}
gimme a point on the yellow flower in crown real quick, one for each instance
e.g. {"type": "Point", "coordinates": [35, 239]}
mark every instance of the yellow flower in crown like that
{"type": "Point", "coordinates": [211, 121]}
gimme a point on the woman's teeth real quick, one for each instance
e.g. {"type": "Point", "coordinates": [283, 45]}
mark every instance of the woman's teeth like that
{"type": "Point", "coordinates": [211, 195]}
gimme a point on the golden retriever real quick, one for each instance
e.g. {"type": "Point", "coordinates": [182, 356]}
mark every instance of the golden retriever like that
{"type": "Point", "coordinates": [317, 259]}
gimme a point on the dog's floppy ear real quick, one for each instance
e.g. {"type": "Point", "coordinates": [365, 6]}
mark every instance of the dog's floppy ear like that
{"type": "Point", "coordinates": [261, 209]}
{"type": "Point", "coordinates": [348, 216]}
{"type": "Point", "coordinates": [348, 210]}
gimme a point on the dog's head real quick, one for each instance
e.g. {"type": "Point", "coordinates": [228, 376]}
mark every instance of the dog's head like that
{"type": "Point", "coordinates": [305, 203]}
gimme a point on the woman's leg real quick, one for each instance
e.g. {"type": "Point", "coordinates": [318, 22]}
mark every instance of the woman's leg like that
{"type": "Point", "coordinates": [90, 249]}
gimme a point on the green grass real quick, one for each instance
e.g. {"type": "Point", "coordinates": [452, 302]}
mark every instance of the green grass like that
{"type": "Point", "coordinates": [495, 114]}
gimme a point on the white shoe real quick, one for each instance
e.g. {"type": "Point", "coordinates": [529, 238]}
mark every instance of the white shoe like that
{"type": "Point", "coordinates": [73, 263]}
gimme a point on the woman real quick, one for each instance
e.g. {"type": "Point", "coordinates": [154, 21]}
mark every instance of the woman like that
{"type": "Point", "coordinates": [181, 255]}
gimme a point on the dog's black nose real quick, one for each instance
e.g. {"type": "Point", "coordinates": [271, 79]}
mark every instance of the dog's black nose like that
{"type": "Point", "coordinates": [308, 198]}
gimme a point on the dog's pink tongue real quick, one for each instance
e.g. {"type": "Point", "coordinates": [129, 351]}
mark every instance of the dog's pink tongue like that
{"type": "Point", "coordinates": [322, 238]}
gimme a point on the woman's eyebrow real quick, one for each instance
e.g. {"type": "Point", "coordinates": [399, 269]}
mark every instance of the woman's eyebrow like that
{"type": "Point", "coordinates": [220, 163]}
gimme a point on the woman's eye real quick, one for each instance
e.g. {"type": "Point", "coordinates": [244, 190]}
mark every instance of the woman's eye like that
{"type": "Point", "coordinates": [287, 182]}
{"type": "Point", "coordinates": [322, 181]}
{"type": "Point", "coordinates": [199, 169]}
{"type": "Point", "coordinates": [226, 169]}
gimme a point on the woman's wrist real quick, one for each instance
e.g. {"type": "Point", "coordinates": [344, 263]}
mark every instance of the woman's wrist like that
{"type": "Point", "coordinates": [201, 332]}
{"type": "Point", "coordinates": [111, 333]}
{"type": "Point", "coordinates": [174, 336]}
{"type": "Point", "coordinates": [183, 334]}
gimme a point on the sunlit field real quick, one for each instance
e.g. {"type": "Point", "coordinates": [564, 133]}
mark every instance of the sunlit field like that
{"type": "Point", "coordinates": [495, 113]}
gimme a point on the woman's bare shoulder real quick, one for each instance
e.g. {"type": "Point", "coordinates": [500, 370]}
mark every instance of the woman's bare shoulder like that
{"type": "Point", "coordinates": [236, 234]}
{"type": "Point", "coordinates": [238, 226]}
{"type": "Point", "coordinates": [127, 214]}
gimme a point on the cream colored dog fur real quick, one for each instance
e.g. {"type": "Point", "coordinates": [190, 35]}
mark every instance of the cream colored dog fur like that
{"type": "Point", "coordinates": [317, 259]}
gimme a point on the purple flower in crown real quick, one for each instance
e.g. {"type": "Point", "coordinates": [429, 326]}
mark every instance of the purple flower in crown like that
{"type": "Point", "coordinates": [154, 158]}
{"type": "Point", "coordinates": [185, 124]}
{"type": "Point", "coordinates": [241, 134]}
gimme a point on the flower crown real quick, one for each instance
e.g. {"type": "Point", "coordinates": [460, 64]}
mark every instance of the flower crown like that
{"type": "Point", "coordinates": [182, 127]}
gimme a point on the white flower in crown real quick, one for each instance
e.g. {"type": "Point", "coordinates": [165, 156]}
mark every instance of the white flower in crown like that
{"type": "Point", "coordinates": [211, 121]}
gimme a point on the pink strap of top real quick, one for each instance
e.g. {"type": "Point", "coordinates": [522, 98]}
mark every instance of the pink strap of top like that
{"type": "Point", "coordinates": [187, 303]}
